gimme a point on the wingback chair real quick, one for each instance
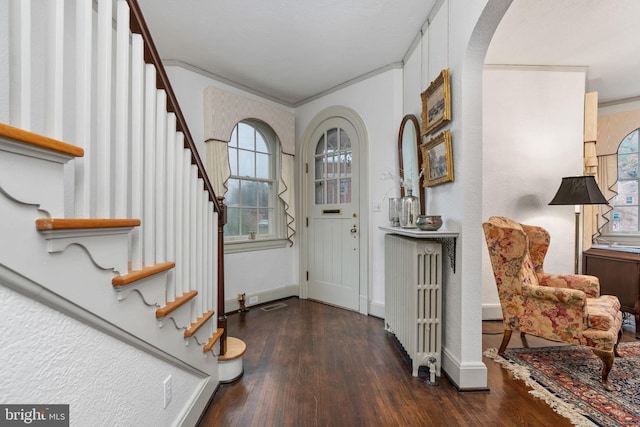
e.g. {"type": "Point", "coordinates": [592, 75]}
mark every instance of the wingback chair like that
{"type": "Point", "coordinates": [566, 308]}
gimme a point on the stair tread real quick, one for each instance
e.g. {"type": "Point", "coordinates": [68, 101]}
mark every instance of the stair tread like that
{"type": "Point", "coordinates": [173, 305]}
{"type": "Point", "coordinates": [214, 338]}
{"type": "Point", "coordinates": [40, 141]}
{"type": "Point", "coordinates": [235, 349]}
{"type": "Point", "coordinates": [84, 223]}
{"type": "Point", "coordinates": [198, 323]}
{"type": "Point", "coordinates": [134, 276]}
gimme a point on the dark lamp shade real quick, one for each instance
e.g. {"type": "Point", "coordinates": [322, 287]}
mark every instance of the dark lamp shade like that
{"type": "Point", "coordinates": [578, 190]}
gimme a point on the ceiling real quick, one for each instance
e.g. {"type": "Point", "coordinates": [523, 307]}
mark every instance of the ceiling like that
{"type": "Point", "coordinates": [292, 50]}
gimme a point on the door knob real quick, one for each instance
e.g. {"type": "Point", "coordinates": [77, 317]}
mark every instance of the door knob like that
{"type": "Point", "coordinates": [354, 229]}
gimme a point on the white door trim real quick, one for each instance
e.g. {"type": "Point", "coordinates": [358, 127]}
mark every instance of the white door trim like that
{"type": "Point", "coordinates": [353, 118]}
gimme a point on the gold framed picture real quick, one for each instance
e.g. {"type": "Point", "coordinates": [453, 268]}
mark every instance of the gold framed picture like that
{"type": "Point", "coordinates": [436, 103]}
{"type": "Point", "coordinates": [437, 160]}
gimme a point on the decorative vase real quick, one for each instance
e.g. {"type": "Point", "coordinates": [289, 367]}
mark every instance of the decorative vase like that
{"type": "Point", "coordinates": [409, 210]}
{"type": "Point", "coordinates": [429, 222]}
{"type": "Point", "coordinates": [394, 211]}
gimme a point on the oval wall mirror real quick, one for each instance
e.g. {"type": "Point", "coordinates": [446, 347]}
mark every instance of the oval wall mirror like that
{"type": "Point", "coordinates": [410, 157]}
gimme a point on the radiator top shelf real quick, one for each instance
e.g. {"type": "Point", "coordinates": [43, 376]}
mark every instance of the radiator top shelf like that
{"type": "Point", "coordinates": [419, 234]}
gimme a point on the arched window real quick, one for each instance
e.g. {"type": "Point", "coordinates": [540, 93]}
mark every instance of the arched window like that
{"type": "Point", "coordinates": [624, 217]}
{"type": "Point", "coordinates": [254, 210]}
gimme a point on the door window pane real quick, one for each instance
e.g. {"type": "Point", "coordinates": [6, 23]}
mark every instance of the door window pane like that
{"type": "Point", "coordinates": [332, 191]}
{"type": "Point", "coordinates": [319, 193]}
{"type": "Point", "coordinates": [345, 142]}
{"type": "Point", "coordinates": [333, 168]}
{"type": "Point", "coordinates": [345, 190]}
{"type": "Point", "coordinates": [332, 140]}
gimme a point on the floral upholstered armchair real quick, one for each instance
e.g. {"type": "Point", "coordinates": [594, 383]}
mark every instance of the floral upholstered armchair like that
{"type": "Point", "coordinates": [566, 308]}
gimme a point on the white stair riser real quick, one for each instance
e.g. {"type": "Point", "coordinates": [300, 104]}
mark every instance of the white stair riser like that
{"type": "Point", "coordinates": [18, 177]}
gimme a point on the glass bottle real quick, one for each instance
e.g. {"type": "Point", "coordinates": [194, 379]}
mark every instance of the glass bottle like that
{"type": "Point", "coordinates": [409, 210]}
{"type": "Point", "coordinates": [394, 211]}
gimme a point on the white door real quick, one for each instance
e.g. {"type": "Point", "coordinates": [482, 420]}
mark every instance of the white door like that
{"type": "Point", "coordinates": [334, 216]}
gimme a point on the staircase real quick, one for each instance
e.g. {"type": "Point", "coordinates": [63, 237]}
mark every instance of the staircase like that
{"type": "Point", "coordinates": [119, 219]}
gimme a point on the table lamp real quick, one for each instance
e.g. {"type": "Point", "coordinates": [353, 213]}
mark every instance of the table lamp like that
{"type": "Point", "coordinates": [578, 190]}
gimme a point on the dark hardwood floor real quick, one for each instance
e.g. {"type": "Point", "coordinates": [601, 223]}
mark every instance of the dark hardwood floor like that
{"type": "Point", "coordinates": [310, 364]}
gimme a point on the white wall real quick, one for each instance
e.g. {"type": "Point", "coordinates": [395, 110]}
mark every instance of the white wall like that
{"type": "Point", "coordinates": [50, 358]}
{"type": "Point", "coordinates": [456, 37]}
{"type": "Point", "coordinates": [266, 272]}
{"type": "Point", "coordinates": [533, 131]}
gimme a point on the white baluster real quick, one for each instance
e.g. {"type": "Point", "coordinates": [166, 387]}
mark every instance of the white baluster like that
{"type": "Point", "coordinates": [193, 227]}
{"type": "Point", "coordinates": [137, 145]}
{"type": "Point", "coordinates": [160, 178]}
{"type": "Point", "coordinates": [170, 204]}
{"type": "Point", "coordinates": [149, 183]}
{"type": "Point", "coordinates": [199, 242]}
{"type": "Point", "coordinates": [212, 261]}
{"type": "Point", "coordinates": [186, 220]}
{"type": "Point", "coordinates": [121, 140]}
{"type": "Point", "coordinates": [83, 177]}
{"type": "Point", "coordinates": [103, 110]}
{"type": "Point", "coordinates": [179, 203]}
{"type": "Point", "coordinates": [54, 72]}
{"type": "Point", "coordinates": [5, 54]}
{"type": "Point", "coordinates": [20, 64]}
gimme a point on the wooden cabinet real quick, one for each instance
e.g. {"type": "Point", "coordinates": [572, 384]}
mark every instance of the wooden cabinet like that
{"type": "Point", "coordinates": [619, 274]}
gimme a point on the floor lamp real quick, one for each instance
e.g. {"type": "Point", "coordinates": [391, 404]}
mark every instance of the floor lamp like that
{"type": "Point", "coordinates": [578, 190]}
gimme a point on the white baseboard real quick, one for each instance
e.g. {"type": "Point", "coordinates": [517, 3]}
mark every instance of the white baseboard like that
{"type": "Point", "coordinates": [200, 402]}
{"type": "Point", "coordinates": [376, 309]}
{"type": "Point", "coordinates": [491, 312]}
{"type": "Point", "coordinates": [231, 305]}
{"type": "Point", "coordinates": [466, 376]}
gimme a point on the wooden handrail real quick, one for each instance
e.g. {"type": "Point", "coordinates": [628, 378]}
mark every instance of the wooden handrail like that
{"type": "Point", "coordinates": [138, 25]}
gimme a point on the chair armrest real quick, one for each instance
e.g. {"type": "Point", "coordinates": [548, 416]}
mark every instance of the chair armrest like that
{"type": "Point", "coordinates": [590, 285]}
{"type": "Point", "coordinates": [574, 297]}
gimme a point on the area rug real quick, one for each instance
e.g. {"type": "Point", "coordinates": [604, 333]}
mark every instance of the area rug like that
{"type": "Point", "coordinates": [568, 379]}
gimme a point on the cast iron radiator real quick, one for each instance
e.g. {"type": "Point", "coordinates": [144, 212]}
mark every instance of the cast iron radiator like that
{"type": "Point", "coordinates": [413, 298]}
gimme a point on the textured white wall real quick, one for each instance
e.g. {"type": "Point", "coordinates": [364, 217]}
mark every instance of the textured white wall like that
{"type": "Point", "coordinates": [50, 358]}
{"type": "Point", "coordinates": [533, 128]}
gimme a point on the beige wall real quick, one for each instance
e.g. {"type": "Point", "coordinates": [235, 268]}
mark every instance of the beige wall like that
{"type": "Point", "coordinates": [612, 128]}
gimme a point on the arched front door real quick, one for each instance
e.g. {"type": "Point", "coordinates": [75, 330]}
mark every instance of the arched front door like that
{"type": "Point", "coordinates": [333, 206]}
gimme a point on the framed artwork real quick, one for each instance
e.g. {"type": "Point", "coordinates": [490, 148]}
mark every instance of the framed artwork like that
{"type": "Point", "coordinates": [436, 103]}
{"type": "Point", "coordinates": [437, 160]}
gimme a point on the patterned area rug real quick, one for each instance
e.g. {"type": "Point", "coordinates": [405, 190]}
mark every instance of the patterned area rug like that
{"type": "Point", "coordinates": [568, 379]}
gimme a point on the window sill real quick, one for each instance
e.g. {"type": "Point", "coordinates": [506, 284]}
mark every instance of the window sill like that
{"type": "Point", "coordinates": [232, 247]}
{"type": "Point", "coordinates": [619, 239]}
